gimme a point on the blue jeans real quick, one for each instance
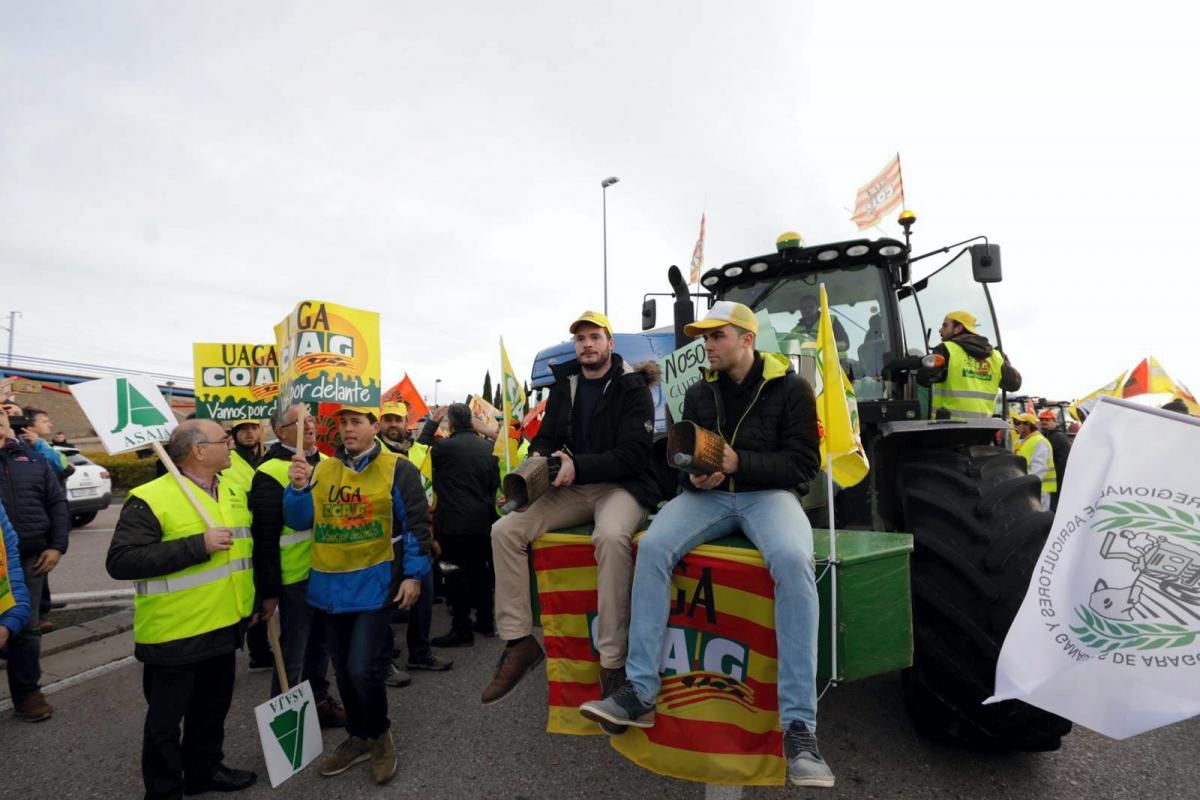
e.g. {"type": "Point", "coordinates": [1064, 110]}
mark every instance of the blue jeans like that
{"type": "Point", "coordinates": [25, 649]}
{"type": "Point", "coordinates": [774, 523]}
{"type": "Point", "coordinates": [302, 640]}
{"type": "Point", "coordinates": [355, 644]}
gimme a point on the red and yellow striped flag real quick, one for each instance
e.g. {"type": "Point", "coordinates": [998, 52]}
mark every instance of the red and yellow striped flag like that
{"type": "Point", "coordinates": [717, 719]}
{"type": "Point", "coordinates": [880, 196]}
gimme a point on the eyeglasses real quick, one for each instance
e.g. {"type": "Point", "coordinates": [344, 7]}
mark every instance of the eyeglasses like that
{"type": "Point", "coordinates": [223, 441]}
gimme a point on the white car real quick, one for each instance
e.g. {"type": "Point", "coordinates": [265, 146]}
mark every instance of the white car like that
{"type": "Point", "coordinates": [89, 488]}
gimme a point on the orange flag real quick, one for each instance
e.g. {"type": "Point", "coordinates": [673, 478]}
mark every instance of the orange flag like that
{"type": "Point", "coordinates": [405, 392]}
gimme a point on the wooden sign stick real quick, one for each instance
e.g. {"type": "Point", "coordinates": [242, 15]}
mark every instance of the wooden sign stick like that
{"type": "Point", "coordinates": [273, 635]}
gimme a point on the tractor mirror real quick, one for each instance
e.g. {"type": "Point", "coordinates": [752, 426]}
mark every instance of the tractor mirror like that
{"type": "Point", "coordinates": [649, 313]}
{"type": "Point", "coordinates": [985, 263]}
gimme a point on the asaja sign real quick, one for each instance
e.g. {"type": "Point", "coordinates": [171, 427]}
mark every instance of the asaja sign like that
{"type": "Point", "coordinates": [127, 413]}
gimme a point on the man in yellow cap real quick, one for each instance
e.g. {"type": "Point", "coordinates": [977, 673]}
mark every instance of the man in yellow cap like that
{"type": "Point", "coordinates": [393, 427]}
{"type": "Point", "coordinates": [370, 551]}
{"type": "Point", "coordinates": [1038, 454]}
{"type": "Point", "coordinates": [767, 416]}
{"type": "Point", "coordinates": [599, 422]}
{"type": "Point", "coordinates": [966, 372]}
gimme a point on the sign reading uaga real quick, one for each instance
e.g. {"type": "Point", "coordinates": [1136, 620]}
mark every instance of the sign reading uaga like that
{"type": "Point", "coordinates": [235, 382]}
{"type": "Point", "coordinates": [127, 413]}
{"type": "Point", "coordinates": [328, 354]}
{"type": "Point", "coordinates": [1109, 631]}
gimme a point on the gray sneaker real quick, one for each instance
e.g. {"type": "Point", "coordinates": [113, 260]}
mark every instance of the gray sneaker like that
{"type": "Point", "coordinates": [395, 677]}
{"type": "Point", "coordinates": [805, 767]}
{"type": "Point", "coordinates": [622, 708]}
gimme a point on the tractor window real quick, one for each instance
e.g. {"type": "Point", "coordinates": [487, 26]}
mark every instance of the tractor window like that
{"type": "Point", "coordinates": [858, 308]}
{"type": "Point", "coordinates": [952, 287]}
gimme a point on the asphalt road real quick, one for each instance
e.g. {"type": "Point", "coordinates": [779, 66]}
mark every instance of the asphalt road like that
{"type": "Point", "coordinates": [452, 747]}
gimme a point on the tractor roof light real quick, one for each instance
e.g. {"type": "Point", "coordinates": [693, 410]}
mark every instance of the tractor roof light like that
{"type": "Point", "coordinates": [789, 241]}
{"type": "Point", "coordinates": [890, 250]}
{"type": "Point", "coordinates": [759, 267]}
{"type": "Point", "coordinates": [733, 272]}
{"type": "Point", "coordinates": [857, 250]}
{"type": "Point", "coordinates": [711, 281]}
{"type": "Point", "coordinates": [907, 218]}
{"type": "Point", "coordinates": [827, 255]}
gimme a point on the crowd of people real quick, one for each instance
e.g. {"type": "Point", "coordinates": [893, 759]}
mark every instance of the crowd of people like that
{"type": "Point", "coordinates": [336, 549]}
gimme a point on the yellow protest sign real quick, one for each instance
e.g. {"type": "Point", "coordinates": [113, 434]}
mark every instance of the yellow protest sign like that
{"type": "Point", "coordinates": [329, 353]}
{"type": "Point", "coordinates": [235, 382]}
{"type": "Point", "coordinates": [7, 600]}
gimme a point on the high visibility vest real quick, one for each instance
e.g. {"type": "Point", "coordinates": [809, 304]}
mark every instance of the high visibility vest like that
{"type": "Point", "coordinates": [204, 597]}
{"type": "Point", "coordinates": [239, 471]}
{"type": "Point", "coordinates": [1026, 450]}
{"type": "Point", "coordinates": [295, 547]}
{"type": "Point", "coordinates": [971, 386]}
{"type": "Point", "coordinates": [418, 456]}
{"type": "Point", "coordinates": [352, 514]}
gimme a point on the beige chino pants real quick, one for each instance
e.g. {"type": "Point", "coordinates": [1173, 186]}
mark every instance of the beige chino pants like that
{"type": "Point", "coordinates": [617, 518]}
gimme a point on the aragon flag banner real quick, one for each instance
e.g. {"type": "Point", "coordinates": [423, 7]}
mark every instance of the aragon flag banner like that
{"type": "Point", "coordinates": [329, 354]}
{"type": "Point", "coordinates": [235, 382]}
{"type": "Point", "coordinates": [717, 719]}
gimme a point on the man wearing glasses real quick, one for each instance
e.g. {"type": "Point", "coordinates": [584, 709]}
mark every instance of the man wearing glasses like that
{"type": "Point", "coordinates": [193, 591]}
{"type": "Point", "coordinates": [281, 563]}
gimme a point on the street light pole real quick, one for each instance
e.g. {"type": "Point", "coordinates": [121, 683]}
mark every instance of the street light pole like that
{"type": "Point", "coordinates": [604, 184]}
{"type": "Point", "coordinates": [12, 326]}
{"type": "Point", "coordinates": [435, 390]}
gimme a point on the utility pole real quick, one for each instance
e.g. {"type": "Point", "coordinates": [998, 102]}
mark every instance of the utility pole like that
{"type": "Point", "coordinates": [604, 184]}
{"type": "Point", "coordinates": [12, 324]}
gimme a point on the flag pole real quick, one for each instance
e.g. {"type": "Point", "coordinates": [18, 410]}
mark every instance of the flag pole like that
{"type": "Point", "coordinates": [504, 411]}
{"type": "Point", "coordinates": [900, 174]}
{"type": "Point", "coordinates": [827, 393]}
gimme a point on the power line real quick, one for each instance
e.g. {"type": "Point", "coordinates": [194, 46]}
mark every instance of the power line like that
{"type": "Point", "coordinates": [60, 365]}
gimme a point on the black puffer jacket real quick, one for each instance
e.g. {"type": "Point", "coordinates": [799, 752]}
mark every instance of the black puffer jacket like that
{"type": "Point", "coordinates": [621, 429]}
{"type": "Point", "coordinates": [776, 439]}
{"type": "Point", "coordinates": [33, 499]}
{"type": "Point", "coordinates": [465, 480]}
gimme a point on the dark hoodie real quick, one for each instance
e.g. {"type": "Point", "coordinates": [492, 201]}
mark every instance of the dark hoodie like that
{"type": "Point", "coordinates": [978, 348]}
{"type": "Point", "coordinates": [620, 433]}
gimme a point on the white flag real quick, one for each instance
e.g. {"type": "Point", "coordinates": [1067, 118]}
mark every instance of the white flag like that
{"type": "Point", "coordinates": [1109, 633]}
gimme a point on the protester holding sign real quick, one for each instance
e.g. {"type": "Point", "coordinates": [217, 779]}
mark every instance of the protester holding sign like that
{"type": "Point", "coordinates": [370, 550]}
{"type": "Point", "coordinates": [193, 592]}
{"type": "Point", "coordinates": [281, 565]}
{"type": "Point", "coordinates": [600, 424]}
{"type": "Point", "coordinates": [768, 418]}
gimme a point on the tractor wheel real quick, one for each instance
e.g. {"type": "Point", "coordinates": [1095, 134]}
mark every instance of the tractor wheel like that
{"type": "Point", "coordinates": [978, 530]}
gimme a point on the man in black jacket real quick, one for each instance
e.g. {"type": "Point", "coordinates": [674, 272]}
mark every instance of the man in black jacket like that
{"type": "Point", "coordinates": [34, 501]}
{"type": "Point", "coordinates": [281, 566]}
{"type": "Point", "coordinates": [1060, 445]}
{"type": "Point", "coordinates": [466, 478]}
{"type": "Point", "coordinates": [768, 418]}
{"type": "Point", "coordinates": [600, 421]}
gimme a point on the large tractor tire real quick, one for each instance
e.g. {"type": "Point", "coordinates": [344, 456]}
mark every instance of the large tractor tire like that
{"type": "Point", "coordinates": [978, 529]}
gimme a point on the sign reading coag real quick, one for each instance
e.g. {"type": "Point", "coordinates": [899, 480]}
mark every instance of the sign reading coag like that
{"type": "Point", "coordinates": [329, 353]}
{"type": "Point", "coordinates": [235, 382]}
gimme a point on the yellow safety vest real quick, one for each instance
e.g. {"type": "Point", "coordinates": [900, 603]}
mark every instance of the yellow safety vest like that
{"type": "Point", "coordinates": [971, 386]}
{"type": "Point", "coordinates": [7, 600]}
{"type": "Point", "coordinates": [352, 514]}
{"type": "Point", "coordinates": [295, 547]}
{"type": "Point", "coordinates": [239, 471]}
{"type": "Point", "coordinates": [1050, 479]}
{"type": "Point", "coordinates": [203, 597]}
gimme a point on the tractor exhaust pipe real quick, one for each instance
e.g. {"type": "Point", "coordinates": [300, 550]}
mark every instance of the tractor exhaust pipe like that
{"type": "Point", "coordinates": [684, 315]}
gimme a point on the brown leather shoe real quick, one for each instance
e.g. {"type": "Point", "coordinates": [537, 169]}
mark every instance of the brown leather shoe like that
{"type": "Point", "coordinates": [33, 708]}
{"type": "Point", "coordinates": [515, 662]}
{"type": "Point", "coordinates": [331, 714]}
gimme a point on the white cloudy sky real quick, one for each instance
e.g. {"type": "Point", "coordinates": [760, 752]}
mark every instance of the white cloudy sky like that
{"type": "Point", "coordinates": [183, 172]}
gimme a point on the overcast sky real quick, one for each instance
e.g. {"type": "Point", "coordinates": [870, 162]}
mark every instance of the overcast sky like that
{"type": "Point", "coordinates": [172, 173]}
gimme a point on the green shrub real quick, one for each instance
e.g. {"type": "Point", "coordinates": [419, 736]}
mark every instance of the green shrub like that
{"type": "Point", "coordinates": [126, 469]}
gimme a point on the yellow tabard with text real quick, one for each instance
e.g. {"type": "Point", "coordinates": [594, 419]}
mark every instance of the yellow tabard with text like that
{"type": "Point", "coordinates": [7, 600]}
{"type": "Point", "coordinates": [352, 514]}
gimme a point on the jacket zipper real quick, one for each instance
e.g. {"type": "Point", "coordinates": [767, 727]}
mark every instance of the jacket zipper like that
{"type": "Point", "coordinates": [736, 428]}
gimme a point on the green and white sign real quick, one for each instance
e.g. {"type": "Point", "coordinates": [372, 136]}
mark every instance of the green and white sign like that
{"type": "Point", "coordinates": [128, 413]}
{"type": "Point", "coordinates": [678, 371]}
{"type": "Point", "coordinates": [289, 731]}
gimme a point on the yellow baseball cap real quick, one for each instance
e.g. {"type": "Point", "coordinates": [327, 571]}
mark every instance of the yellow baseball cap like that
{"type": "Point", "coordinates": [724, 312]}
{"type": "Point", "coordinates": [1026, 417]}
{"type": "Point", "coordinates": [399, 409]}
{"type": "Point", "coordinates": [592, 318]}
{"type": "Point", "coordinates": [240, 423]}
{"type": "Point", "coordinates": [964, 318]}
{"type": "Point", "coordinates": [374, 412]}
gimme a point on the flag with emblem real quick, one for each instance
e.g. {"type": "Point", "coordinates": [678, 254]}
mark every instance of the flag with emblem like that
{"type": "Point", "coordinates": [837, 409]}
{"type": "Point", "coordinates": [698, 255]}
{"type": "Point", "coordinates": [718, 709]}
{"type": "Point", "coordinates": [882, 194]}
{"type": "Point", "coordinates": [513, 394]}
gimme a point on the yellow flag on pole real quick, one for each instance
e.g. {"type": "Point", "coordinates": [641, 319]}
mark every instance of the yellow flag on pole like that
{"type": "Point", "coordinates": [514, 411]}
{"type": "Point", "coordinates": [841, 441]}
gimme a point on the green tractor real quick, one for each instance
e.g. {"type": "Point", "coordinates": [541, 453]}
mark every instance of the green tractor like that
{"type": "Point", "coordinates": [967, 501]}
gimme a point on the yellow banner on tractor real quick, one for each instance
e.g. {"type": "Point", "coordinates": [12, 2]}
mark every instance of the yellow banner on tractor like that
{"type": "Point", "coordinates": [235, 382]}
{"type": "Point", "coordinates": [329, 353]}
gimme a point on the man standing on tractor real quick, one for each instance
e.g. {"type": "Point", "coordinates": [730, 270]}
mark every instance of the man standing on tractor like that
{"type": "Point", "coordinates": [966, 372]}
{"type": "Point", "coordinates": [1038, 454]}
{"type": "Point", "coordinates": [600, 422]}
{"type": "Point", "coordinates": [768, 417]}
{"type": "Point", "coordinates": [1060, 443]}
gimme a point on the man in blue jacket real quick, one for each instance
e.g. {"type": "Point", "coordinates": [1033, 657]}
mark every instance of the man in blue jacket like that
{"type": "Point", "coordinates": [370, 550]}
{"type": "Point", "coordinates": [34, 499]}
{"type": "Point", "coordinates": [14, 596]}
